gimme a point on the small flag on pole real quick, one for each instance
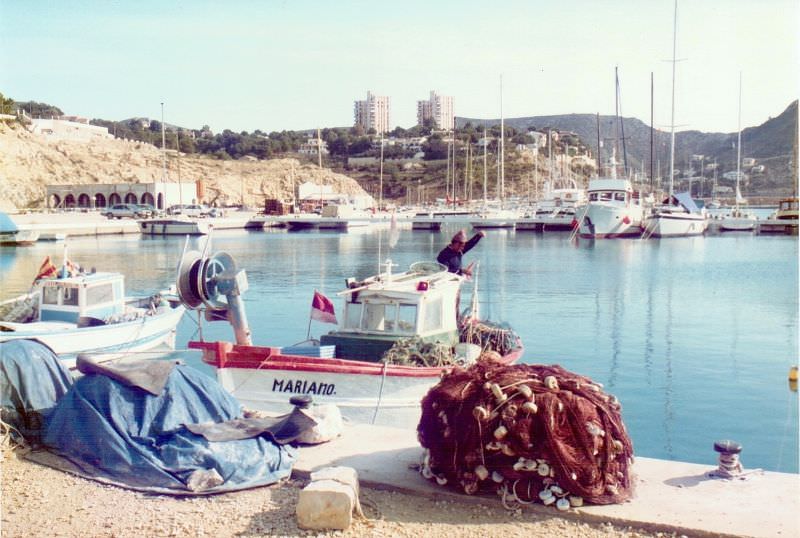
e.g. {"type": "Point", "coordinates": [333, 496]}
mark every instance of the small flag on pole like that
{"type": "Point", "coordinates": [322, 309]}
{"type": "Point", "coordinates": [46, 270]}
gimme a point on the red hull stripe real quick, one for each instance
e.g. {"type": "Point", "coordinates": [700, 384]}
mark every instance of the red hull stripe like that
{"type": "Point", "coordinates": [227, 355]}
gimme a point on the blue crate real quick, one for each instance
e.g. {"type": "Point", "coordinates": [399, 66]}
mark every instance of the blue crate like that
{"type": "Point", "coordinates": [323, 352]}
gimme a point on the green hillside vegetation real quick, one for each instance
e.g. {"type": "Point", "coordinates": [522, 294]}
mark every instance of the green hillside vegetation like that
{"type": "Point", "coordinates": [771, 144]}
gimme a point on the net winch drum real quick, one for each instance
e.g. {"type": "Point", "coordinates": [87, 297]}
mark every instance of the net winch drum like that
{"type": "Point", "coordinates": [216, 283]}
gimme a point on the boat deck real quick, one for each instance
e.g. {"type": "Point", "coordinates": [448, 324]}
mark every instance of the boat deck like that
{"type": "Point", "coordinates": [670, 496]}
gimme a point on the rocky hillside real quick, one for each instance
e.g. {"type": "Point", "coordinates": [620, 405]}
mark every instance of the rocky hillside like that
{"type": "Point", "coordinates": [28, 163]}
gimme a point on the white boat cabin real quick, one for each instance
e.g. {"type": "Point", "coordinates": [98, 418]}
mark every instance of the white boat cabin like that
{"type": "Point", "coordinates": [378, 311]}
{"type": "Point", "coordinates": [94, 295]}
{"type": "Point", "coordinates": [618, 191]}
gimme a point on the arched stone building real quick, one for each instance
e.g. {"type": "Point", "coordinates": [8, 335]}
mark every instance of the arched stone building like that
{"type": "Point", "coordinates": [93, 195]}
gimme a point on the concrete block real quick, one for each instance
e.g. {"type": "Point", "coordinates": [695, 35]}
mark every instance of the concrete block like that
{"type": "Point", "coordinates": [329, 500]}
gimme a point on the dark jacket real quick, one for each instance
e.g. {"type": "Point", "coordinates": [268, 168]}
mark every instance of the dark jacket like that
{"type": "Point", "coordinates": [452, 258]}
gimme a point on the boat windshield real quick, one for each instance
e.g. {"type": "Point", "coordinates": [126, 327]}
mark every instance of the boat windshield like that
{"type": "Point", "coordinates": [392, 317]}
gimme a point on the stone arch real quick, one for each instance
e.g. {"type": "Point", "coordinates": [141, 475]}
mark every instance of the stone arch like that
{"type": "Point", "coordinates": [84, 200]}
{"type": "Point", "coordinates": [99, 200]}
{"type": "Point", "coordinates": [54, 201]}
{"type": "Point", "coordinates": [130, 198]}
{"type": "Point", "coordinates": [69, 201]}
{"type": "Point", "coordinates": [147, 198]}
{"type": "Point", "coordinates": [114, 199]}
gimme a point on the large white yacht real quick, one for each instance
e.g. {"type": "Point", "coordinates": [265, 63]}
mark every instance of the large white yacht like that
{"type": "Point", "coordinates": [612, 210]}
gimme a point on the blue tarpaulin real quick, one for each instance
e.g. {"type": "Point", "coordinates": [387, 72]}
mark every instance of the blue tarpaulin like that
{"type": "Point", "coordinates": [32, 379]}
{"type": "Point", "coordinates": [121, 434]}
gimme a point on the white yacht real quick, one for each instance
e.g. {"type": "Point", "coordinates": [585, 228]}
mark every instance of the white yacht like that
{"type": "Point", "coordinates": [612, 210]}
{"type": "Point", "coordinates": [677, 216]}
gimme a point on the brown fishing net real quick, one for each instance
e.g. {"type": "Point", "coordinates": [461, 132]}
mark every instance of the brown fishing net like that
{"type": "Point", "coordinates": [530, 432]}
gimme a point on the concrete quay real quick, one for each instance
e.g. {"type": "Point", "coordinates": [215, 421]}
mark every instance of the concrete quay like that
{"type": "Point", "coordinates": [670, 496]}
{"type": "Point", "coordinates": [93, 223]}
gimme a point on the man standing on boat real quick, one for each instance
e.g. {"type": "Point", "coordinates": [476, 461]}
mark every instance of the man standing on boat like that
{"type": "Point", "coordinates": [451, 254]}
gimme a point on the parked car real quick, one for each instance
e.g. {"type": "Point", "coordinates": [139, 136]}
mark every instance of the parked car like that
{"type": "Point", "coordinates": [149, 211]}
{"type": "Point", "coordinates": [118, 211]}
{"type": "Point", "coordinates": [195, 210]}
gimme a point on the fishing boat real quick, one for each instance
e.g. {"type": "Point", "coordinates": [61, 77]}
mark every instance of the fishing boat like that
{"type": "Point", "coordinates": [398, 333]}
{"type": "Point", "coordinates": [74, 311]}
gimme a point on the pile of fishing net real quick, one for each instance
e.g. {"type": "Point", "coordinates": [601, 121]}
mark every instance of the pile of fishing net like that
{"type": "Point", "coordinates": [498, 337]}
{"type": "Point", "coordinates": [416, 352]}
{"type": "Point", "coordinates": [529, 432]}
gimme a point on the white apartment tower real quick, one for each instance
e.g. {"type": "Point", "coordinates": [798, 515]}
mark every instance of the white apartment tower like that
{"type": "Point", "coordinates": [439, 108]}
{"type": "Point", "coordinates": [372, 113]}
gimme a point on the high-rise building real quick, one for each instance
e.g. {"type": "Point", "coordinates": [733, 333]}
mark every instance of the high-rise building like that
{"type": "Point", "coordinates": [439, 108]}
{"type": "Point", "coordinates": [373, 113]}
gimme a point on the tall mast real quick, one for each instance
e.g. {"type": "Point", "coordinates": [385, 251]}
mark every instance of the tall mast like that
{"type": "Point", "coordinates": [739, 143]}
{"type": "Point", "coordinates": [672, 120]}
{"type": "Point", "coordinates": [651, 132]}
{"type": "Point", "coordinates": [599, 153]}
{"type": "Point", "coordinates": [163, 148]}
{"type": "Point", "coordinates": [380, 188]}
{"type": "Point", "coordinates": [502, 148]}
{"type": "Point", "coordinates": [485, 171]}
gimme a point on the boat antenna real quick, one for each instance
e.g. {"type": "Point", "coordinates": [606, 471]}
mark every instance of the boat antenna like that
{"type": "Point", "coordinates": [599, 152]}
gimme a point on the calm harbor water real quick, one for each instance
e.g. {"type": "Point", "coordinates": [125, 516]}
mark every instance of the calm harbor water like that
{"type": "Point", "coordinates": [695, 336]}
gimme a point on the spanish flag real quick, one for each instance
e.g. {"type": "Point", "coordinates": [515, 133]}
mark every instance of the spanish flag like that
{"type": "Point", "coordinates": [46, 270]}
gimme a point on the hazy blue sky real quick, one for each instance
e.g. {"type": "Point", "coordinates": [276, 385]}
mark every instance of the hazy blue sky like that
{"type": "Point", "coordinates": [300, 64]}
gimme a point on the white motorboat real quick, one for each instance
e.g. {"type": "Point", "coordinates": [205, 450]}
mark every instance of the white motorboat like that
{"type": "Point", "coordinates": [174, 226]}
{"type": "Point", "coordinates": [612, 210]}
{"type": "Point", "coordinates": [80, 312]}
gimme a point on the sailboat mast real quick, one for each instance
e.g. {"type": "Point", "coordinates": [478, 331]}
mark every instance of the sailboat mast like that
{"type": "Point", "coordinates": [672, 120]}
{"type": "Point", "coordinates": [652, 141]}
{"type": "Point", "coordinates": [163, 148]}
{"type": "Point", "coordinates": [739, 144]}
{"type": "Point", "coordinates": [380, 181]}
{"type": "Point", "coordinates": [485, 171]}
{"type": "Point", "coordinates": [599, 154]}
{"type": "Point", "coordinates": [502, 148]}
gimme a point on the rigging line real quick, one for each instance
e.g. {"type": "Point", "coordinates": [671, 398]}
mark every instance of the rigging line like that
{"type": "Point", "coordinates": [380, 392]}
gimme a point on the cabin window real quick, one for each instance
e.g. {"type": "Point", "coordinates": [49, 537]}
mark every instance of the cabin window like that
{"type": "Point", "coordinates": [374, 317]}
{"type": "Point", "coordinates": [70, 297]}
{"type": "Point", "coordinates": [433, 315]}
{"type": "Point", "coordinates": [605, 196]}
{"type": "Point", "coordinates": [353, 316]}
{"type": "Point", "coordinates": [406, 318]}
{"type": "Point", "coordinates": [99, 294]}
{"type": "Point", "coordinates": [50, 295]}
{"type": "Point", "coordinates": [592, 196]}
{"type": "Point", "coordinates": [619, 196]}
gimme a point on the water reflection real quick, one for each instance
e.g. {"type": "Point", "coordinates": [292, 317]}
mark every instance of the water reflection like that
{"type": "Point", "coordinates": [694, 336]}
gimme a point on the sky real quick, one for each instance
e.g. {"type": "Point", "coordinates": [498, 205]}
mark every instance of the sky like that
{"type": "Point", "coordinates": [300, 64]}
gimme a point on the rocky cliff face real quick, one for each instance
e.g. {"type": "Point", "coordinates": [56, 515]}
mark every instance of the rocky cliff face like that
{"type": "Point", "coordinates": [29, 162]}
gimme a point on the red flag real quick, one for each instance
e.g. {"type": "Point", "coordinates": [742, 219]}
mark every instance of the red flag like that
{"type": "Point", "coordinates": [322, 309]}
{"type": "Point", "coordinates": [46, 270]}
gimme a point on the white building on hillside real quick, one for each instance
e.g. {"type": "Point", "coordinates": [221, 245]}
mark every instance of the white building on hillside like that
{"type": "Point", "coordinates": [69, 128]}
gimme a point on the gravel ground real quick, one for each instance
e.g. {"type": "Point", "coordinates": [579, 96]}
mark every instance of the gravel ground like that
{"type": "Point", "coordinates": [38, 501]}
